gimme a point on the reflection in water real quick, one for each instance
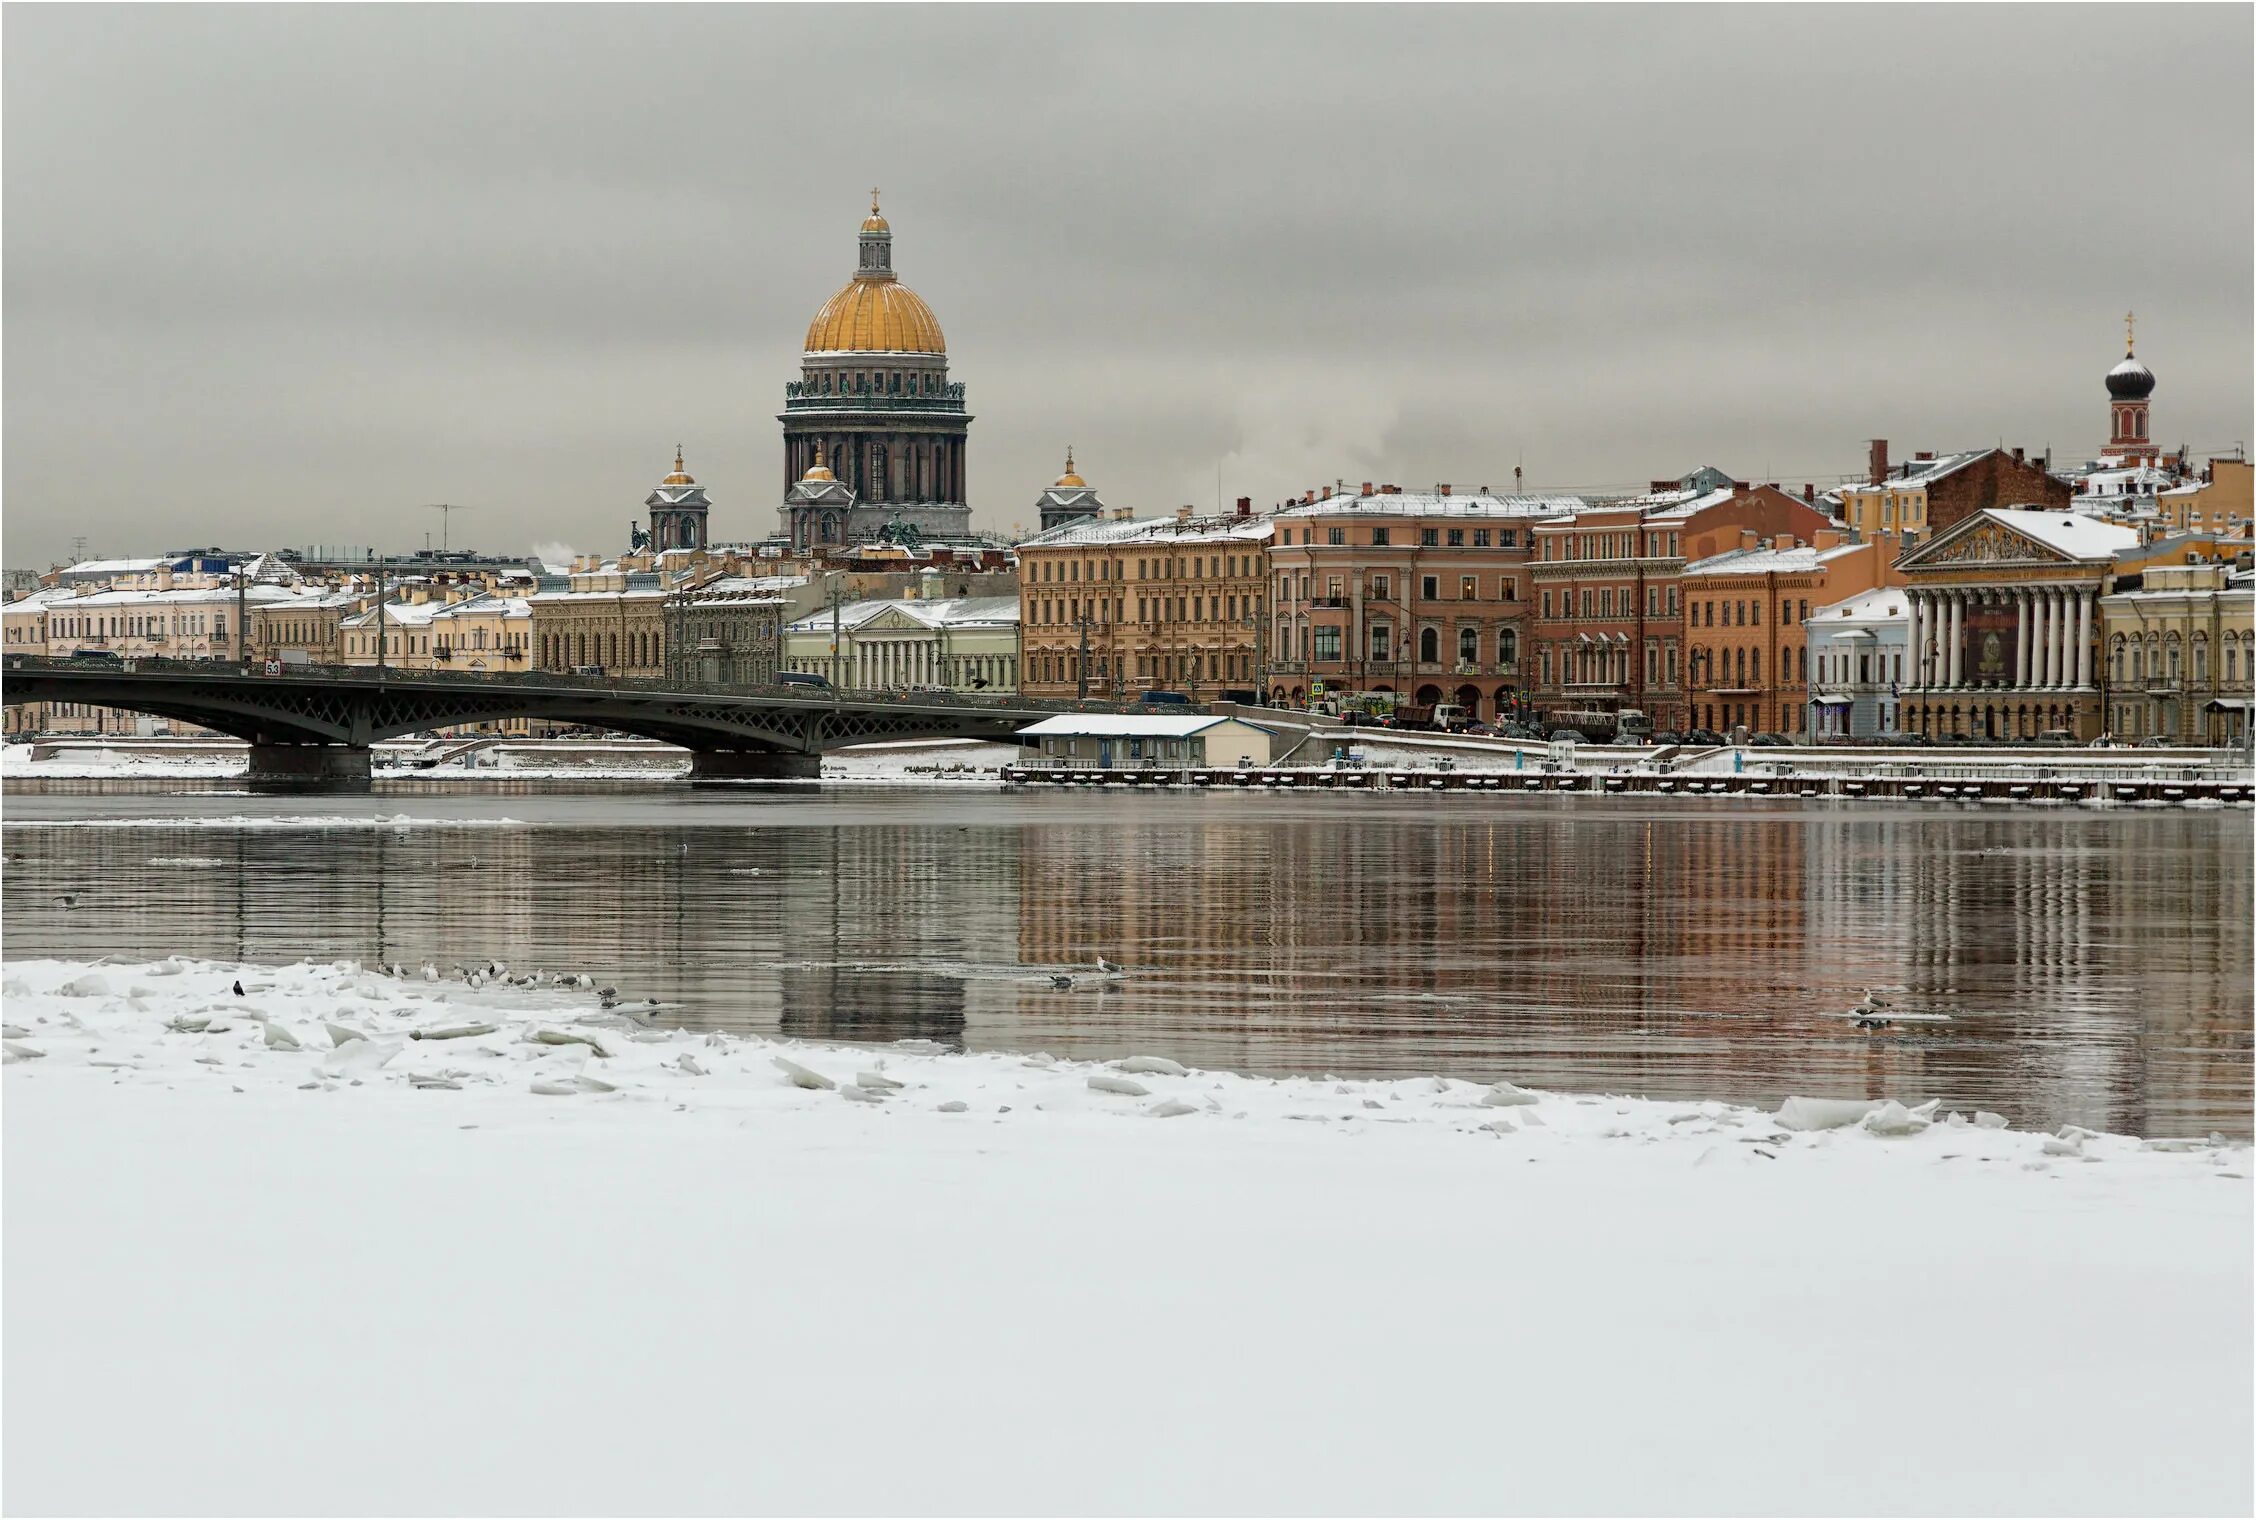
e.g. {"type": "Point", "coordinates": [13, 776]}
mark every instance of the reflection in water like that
{"type": "Point", "coordinates": [2094, 967]}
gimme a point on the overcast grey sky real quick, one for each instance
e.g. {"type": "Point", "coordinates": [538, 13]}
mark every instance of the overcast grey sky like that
{"type": "Point", "coordinates": [279, 275]}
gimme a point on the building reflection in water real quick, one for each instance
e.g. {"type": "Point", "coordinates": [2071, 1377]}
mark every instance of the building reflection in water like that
{"type": "Point", "coordinates": [2094, 967]}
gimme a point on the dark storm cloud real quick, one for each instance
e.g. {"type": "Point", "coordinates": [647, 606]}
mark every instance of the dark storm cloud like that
{"type": "Point", "coordinates": [280, 274]}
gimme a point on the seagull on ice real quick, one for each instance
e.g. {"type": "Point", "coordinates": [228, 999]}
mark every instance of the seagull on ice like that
{"type": "Point", "coordinates": [1107, 967]}
{"type": "Point", "coordinates": [238, 989]}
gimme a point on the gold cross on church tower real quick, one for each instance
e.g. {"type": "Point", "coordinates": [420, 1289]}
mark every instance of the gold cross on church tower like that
{"type": "Point", "coordinates": [2130, 331]}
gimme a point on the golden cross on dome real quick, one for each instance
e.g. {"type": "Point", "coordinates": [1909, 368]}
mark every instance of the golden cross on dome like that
{"type": "Point", "coordinates": [2130, 332]}
{"type": "Point", "coordinates": [873, 200]}
{"type": "Point", "coordinates": [677, 456]}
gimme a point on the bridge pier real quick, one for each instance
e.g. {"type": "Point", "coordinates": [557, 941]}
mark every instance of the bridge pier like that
{"type": "Point", "coordinates": [753, 765]}
{"type": "Point", "coordinates": [309, 768]}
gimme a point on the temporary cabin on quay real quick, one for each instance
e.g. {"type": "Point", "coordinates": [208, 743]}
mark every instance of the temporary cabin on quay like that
{"type": "Point", "coordinates": [1110, 740]}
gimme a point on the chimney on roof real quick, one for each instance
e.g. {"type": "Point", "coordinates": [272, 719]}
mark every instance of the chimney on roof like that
{"type": "Point", "coordinates": [1924, 454]}
{"type": "Point", "coordinates": [2017, 459]}
{"type": "Point", "coordinates": [1445, 488]}
{"type": "Point", "coordinates": [1809, 492]}
{"type": "Point", "coordinates": [1327, 493]}
{"type": "Point", "coordinates": [1484, 490]}
{"type": "Point", "coordinates": [1748, 538]}
{"type": "Point", "coordinates": [1826, 538]}
{"type": "Point", "coordinates": [1879, 471]}
{"type": "Point", "coordinates": [1245, 506]}
{"type": "Point", "coordinates": [1366, 488]}
{"type": "Point", "coordinates": [1182, 514]}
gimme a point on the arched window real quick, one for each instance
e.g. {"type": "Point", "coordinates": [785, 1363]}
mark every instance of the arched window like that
{"type": "Point", "coordinates": [1508, 647]}
{"type": "Point", "coordinates": [1468, 646]}
{"type": "Point", "coordinates": [2116, 664]}
{"type": "Point", "coordinates": [2200, 659]}
{"type": "Point", "coordinates": [2170, 659]}
{"type": "Point", "coordinates": [1429, 645]}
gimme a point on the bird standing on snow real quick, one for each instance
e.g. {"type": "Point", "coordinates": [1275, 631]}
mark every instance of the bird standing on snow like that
{"type": "Point", "coordinates": [1107, 967]}
{"type": "Point", "coordinates": [238, 989]}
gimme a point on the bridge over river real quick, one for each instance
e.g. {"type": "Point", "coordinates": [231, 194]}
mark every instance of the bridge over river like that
{"type": "Point", "coordinates": [312, 725]}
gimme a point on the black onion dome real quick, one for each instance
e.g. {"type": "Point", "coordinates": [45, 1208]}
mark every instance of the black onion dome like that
{"type": "Point", "coordinates": [2130, 380]}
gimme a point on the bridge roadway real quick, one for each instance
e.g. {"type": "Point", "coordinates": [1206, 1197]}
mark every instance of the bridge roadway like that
{"type": "Point", "coordinates": [311, 725]}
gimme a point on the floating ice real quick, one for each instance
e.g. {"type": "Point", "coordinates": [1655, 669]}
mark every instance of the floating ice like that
{"type": "Point", "coordinates": [800, 1076]}
{"type": "Point", "coordinates": [1120, 1085]}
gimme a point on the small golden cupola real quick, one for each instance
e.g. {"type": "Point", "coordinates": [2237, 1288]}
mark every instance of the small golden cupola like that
{"type": "Point", "coordinates": [818, 471]}
{"type": "Point", "coordinates": [681, 476]}
{"type": "Point", "coordinates": [1070, 480]}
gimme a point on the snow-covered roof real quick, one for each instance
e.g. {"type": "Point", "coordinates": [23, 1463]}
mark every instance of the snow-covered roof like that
{"type": "Point", "coordinates": [1433, 504]}
{"type": "Point", "coordinates": [197, 596]}
{"type": "Point", "coordinates": [486, 606]}
{"type": "Point", "coordinates": [959, 612]}
{"type": "Point", "coordinates": [1127, 725]}
{"type": "Point", "coordinates": [1882, 604]}
{"type": "Point", "coordinates": [1152, 530]}
{"type": "Point", "coordinates": [1803, 560]}
{"type": "Point", "coordinates": [2074, 535]}
{"type": "Point", "coordinates": [1924, 472]}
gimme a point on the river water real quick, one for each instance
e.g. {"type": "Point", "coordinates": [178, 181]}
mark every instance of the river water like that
{"type": "Point", "coordinates": [2094, 967]}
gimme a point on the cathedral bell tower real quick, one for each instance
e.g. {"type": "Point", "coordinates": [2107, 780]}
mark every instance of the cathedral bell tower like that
{"type": "Point", "coordinates": [2129, 384]}
{"type": "Point", "coordinates": [677, 510]}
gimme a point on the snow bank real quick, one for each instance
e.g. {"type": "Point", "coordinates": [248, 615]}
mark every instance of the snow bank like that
{"type": "Point", "coordinates": [743, 1274]}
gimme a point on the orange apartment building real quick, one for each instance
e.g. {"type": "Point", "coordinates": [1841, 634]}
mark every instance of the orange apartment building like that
{"type": "Point", "coordinates": [1420, 594]}
{"type": "Point", "coordinates": [1746, 614]}
{"type": "Point", "coordinates": [1114, 606]}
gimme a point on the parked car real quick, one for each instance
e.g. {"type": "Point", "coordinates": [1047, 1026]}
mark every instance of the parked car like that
{"type": "Point", "coordinates": [1703, 736]}
{"type": "Point", "coordinates": [2157, 741]}
{"type": "Point", "coordinates": [98, 657]}
{"type": "Point", "coordinates": [1573, 734]}
{"type": "Point", "coordinates": [1165, 699]}
{"type": "Point", "coordinates": [1770, 741]}
{"type": "Point", "coordinates": [2057, 738]}
{"type": "Point", "coordinates": [1665, 737]}
{"type": "Point", "coordinates": [803, 678]}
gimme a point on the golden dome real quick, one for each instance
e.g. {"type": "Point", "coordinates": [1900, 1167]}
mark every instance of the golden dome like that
{"type": "Point", "coordinates": [818, 471]}
{"type": "Point", "coordinates": [1069, 479]}
{"type": "Point", "coordinates": [680, 477]}
{"type": "Point", "coordinates": [875, 314]}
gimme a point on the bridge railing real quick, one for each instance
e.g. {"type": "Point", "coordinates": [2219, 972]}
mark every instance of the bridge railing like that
{"type": "Point", "coordinates": [777, 691]}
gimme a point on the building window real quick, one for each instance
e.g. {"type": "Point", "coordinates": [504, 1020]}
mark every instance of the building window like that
{"type": "Point", "coordinates": [1429, 645]}
{"type": "Point", "coordinates": [1456, 538]}
{"type": "Point", "coordinates": [1327, 644]}
{"type": "Point", "coordinates": [1429, 587]}
{"type": "Point", "coordinates": [1382, 588]}
{"type": "Point", "coordinates": [1379, 538]}
{"type": "Point", "coordinates": [1468, 646]}
{"type": "Point", "coordinates": [1382, 642]}
{"type": "Point", "coordinates": [1335, 536]}
{"type": "Point", "coordinates": [1468, 589]}
{"type": "Point", "coordinates": [1429, 538]}
{"type": "Point", "coordinates": [1480, 538]}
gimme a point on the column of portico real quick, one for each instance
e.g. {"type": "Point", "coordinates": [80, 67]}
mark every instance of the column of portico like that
{"type": "Point", "coordinates": [2024, 655]}
{"type": "Point", "coordinates": [2084, 639]}
{"type": "Point", "coordinates": [1955, 654]}
{"type": "Point", "coordinates": [2060, 628]}
{"type": "Point", "coordinates": [2040, 635]}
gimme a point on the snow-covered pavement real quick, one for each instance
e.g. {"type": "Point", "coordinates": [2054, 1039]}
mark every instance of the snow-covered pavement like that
{"type": "Point", "coordinates": [276, 1253]}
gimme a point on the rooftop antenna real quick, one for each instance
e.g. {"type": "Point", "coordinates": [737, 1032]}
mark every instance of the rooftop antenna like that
{"type": "Point", "coordinates": [446, 511]}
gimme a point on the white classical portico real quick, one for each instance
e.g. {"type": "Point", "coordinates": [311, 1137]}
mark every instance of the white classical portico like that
{"type": "Point", "coordinates": [2003, 609]}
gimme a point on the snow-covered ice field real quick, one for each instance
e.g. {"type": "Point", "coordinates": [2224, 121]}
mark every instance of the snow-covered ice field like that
{"type": "Point", "coordinates": [274, 1253]}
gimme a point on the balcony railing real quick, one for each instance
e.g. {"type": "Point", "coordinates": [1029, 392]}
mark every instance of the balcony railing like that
{"type": "Point", "coordinates": [797, 397]}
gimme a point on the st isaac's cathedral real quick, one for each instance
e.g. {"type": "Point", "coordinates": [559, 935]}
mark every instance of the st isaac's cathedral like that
{"type": "Point", "coordinates": [873, 429]}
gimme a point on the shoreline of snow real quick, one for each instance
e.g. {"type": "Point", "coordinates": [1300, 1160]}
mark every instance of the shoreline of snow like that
{"type": "Point", "coordinates": [1218, 1293]}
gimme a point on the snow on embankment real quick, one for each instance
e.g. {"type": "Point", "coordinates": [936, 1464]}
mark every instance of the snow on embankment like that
{"type": "Point", "coordinates": [557, 1260]}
